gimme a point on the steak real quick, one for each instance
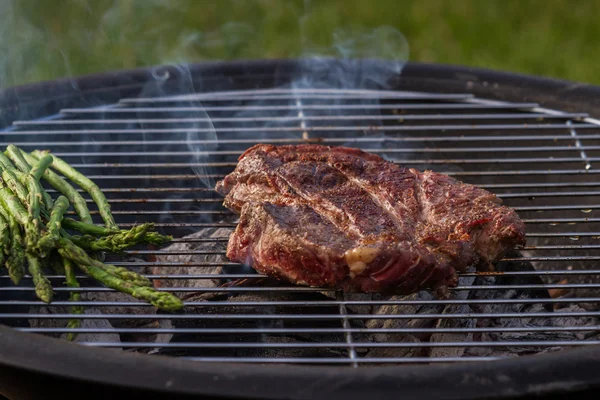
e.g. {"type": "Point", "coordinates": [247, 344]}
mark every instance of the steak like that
{"type": "Point", "coordinates": [339, 217]}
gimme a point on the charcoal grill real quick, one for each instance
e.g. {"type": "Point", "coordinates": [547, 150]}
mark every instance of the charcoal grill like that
{"type": "Point", "coordinates": [156, 140]}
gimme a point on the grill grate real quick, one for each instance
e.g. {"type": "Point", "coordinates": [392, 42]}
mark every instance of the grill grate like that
{"type": "Point", "coordinates": [157, 159]}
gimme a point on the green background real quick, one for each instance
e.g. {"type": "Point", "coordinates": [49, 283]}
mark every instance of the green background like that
{"type": "Point", "coordinates": [48, 39]}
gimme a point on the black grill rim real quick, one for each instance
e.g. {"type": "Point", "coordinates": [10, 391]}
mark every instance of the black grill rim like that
{"type": "Point", "coordinates": [31, 365]}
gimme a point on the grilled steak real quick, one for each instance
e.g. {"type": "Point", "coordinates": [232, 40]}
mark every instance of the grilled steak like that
{"type": "Point", "coordinates": [340, 217]}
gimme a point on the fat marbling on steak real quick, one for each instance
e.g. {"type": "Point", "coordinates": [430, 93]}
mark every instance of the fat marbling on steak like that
{"type": "Point", "coordinates": [343, 218]}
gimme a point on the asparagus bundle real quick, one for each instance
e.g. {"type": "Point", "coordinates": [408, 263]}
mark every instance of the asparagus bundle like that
{"type": "Point", "coordinates": [34, 232]}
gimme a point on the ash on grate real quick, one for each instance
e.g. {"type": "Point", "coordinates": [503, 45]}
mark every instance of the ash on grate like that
{"type": "Point", "coordinates": [186, 253]}
{"type": "Point", "coordinates": [525, 321]}
{"type": "Point", "coordinates": [242, 328]}
{"type": "Point", "coordinates": [467, 324]}
{"type": "Point", "coordinates": [96, 323]}
{"type": "Point", "coordinates": [400, 323]}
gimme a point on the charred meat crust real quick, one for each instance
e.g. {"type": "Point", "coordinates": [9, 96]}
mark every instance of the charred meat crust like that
{"type": "Point", "coordinates": [339, 217]}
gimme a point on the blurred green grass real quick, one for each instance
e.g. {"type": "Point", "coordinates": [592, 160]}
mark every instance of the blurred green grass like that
{"type": "Point", "coordinates": [47, 39]}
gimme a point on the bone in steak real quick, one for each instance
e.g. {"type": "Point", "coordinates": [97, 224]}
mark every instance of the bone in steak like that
{"type": "Point", "coordinates": [343, 218]}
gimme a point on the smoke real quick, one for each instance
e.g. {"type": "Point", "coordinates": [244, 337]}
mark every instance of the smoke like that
{"type": "Point", "coordinates": [199, 133]}
{"type": "Point", "coordinates": [358, 58]}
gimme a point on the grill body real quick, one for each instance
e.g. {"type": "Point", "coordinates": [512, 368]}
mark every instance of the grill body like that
{"type": "Point", "coordinates": [157, 139]}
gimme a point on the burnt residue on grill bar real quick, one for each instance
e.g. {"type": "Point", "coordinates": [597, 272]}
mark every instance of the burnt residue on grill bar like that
{"type": "Point", "coordinates": [157, 157]}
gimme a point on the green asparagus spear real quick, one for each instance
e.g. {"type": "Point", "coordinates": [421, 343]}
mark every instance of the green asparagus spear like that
{"type": "Point", "coordinates": [43, 288]}
{"type": "Point", "coordinates": [69, 250]}
{"type": "Point", "coordinates": [15, 185]}
{"type": "Point", "coordinates": [30, 196]}
{"type": "Point", "coordinates": [157, 239]}
{"type": "Point", "coordinates": [15, 154]}
{"type": "Point", "coordinates": [21, 185]}
{"type": "Point", "coordinates": [66, 189]}
{"type": "Point", "coordinates": [162, 300]}
{"type": "Point", "coordinates": [13, 206]}
{"type": "Point", "coordinates": [90, 229]}
{"type": "Point", "coordinates": [49, 240]}
{"type": "Point", "coordinates": [33, 181]}
{"type": "Point", "coordinates": [38, 169]}
{"type": "Point", "coordinates": [5, 214]}
{"type": "Point", "coordinates": [4, 239]}
{"type": "Point", "coordinates": [16, 255]}
{"type": "Point", "coordinates": [4, 236]}
{"type": "Point", "coordinates": [34, 197]}
{"type": "Point", "coordinates": [2, 259]}
{"type": "Point", "coordinates": [15, 262]}
{"type": "Point", "coordinates": [149, 237]}
{"type": "Point", "coordinates": [116, 242]}
{"type": "Point", "coordinates": [5, 161]}
{"type": "Point", "coordinates": [35, 204]}
{"type": "Point", "coordinates": [71, 282]}
{"type": "Point", "coordinates": [22, 176]}
{"type": "Point", "coordinates": [86, 184]}
{"type": "Point", "coordinates": [23, 169]}
{"type": "Point", "coordinates": [24, 166]}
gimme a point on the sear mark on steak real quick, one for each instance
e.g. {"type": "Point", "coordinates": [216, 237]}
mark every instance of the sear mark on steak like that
{"type": "Point", "coordinates": [342, 218]}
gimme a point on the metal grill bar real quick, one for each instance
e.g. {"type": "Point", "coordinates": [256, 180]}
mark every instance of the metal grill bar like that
{"type": "Point", "coordinates": [182, 264]}
{"type": "Point", "coordinates": [258, 276]}
{"type": "Point", "coordinates": [314, 330]}
{"type": "Point", "coordinates": [233, 225]}
{"type": "Point", "coordinates": [315, 303]}
{"type": "Point", "coordinates": [225, 239]}
{"type": "Point", "coordinates": [583, 208]}
{"type": "Point", "coordinates": [391, 151]}
{"type": "Point", "coordinates": [220, 200]}
{"type": "Point", "coordinates": [228, 213]}
{"type": "Point", "coordinates": [548, 160]}
{"type": "Point", "coordinates": [404, 117]}
{"type": "Point", "coordinates": [531, 185]}
{"type": "Point", "coordinates": [297, 94]}
{"type": "Point", "coordinates": [366, 128]}
{"type": "Point", "coordinates": [363, 360]}
{"type": "Point", "coordinates": [305, 289]}
{"type": "Point", "coordinates": [450, 173]}
{"type": "Point", "coordinates": [243, 276]}
{"type": "Point", "coordinates": [540, 160]}
{"type": "Point", "coordinates": [234, 108]}
{"type": "Point", "coordinates": [556, 314]}
{"type": "Point", "coordinates": [338, 140]}
{"type": "Point", "coordinates": [195, 345]}
{"type": "Point", "coordinates": [526, 172]}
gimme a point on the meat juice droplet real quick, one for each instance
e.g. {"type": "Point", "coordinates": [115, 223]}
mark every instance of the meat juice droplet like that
{"type": "Point", "coordinates": [553, 224]}
{"type": "Point", "coordinates": [574, 237]}
{"type": "Point", "coordinates": [587, 210]}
